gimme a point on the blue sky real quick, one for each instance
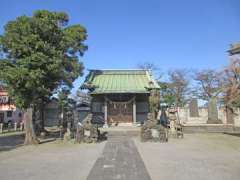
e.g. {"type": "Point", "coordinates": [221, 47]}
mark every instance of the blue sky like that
{"type": "Point", "coordinates": [123, 33]}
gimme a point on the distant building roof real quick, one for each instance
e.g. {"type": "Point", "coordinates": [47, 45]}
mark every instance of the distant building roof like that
{"type": "Point", "coordinates": [235, 49]}
{"type": "Point", "coordinates": [119, 81]}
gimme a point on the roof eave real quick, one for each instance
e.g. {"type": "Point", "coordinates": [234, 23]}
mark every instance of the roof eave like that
{"type": "Point", "coordinates": [120, 92]}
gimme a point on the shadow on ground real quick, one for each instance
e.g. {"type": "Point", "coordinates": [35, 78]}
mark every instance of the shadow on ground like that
{"type": "Point", "coordinates": [233, 134]}
{"type": "Point", "coordinates": [9, 142]}
{"type": "Point", "coordinates": [12, 141]}
{"type": "Point", "coordinates": [102, 136]}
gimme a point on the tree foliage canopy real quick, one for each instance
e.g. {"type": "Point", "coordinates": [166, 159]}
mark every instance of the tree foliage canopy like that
{"type": "Point", "coordinates": [179, 86]}
{"type": "Point", "coordinates": [231, 84]}
{"type": "Point", "coordinates": [208, 84]}
{"type": "Point", "coordinates": [39, 55]}
{"type": "Point", "coordinates": [167, 97]}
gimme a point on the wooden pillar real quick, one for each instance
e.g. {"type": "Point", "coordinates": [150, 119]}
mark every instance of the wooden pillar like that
{"type": "Point", "coordinates": [105, 113]}
{"type": "Point", "coordinates": [134, 112]}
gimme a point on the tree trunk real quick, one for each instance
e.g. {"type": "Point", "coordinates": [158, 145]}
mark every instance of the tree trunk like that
{"type": "Point", "coordinates": [64, 121]}
{"type": "Point", "coordinates": [41, 118]}
{"type": "Point", "coordinates": [38, 117]}
{"type": "Point", "coordinates": [30, 136]}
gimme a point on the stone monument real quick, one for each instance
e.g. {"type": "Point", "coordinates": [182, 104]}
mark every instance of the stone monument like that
{"type": "Point", "coordinates": [193, 108]}
{"type": "Point", "coordinates": [213, 112]}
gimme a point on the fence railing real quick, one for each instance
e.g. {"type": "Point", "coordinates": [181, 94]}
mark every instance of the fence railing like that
{"type": "Point", "coordinates": [11, 127]}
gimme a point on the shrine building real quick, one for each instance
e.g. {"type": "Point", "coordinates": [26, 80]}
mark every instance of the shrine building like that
{"type": "Point", "coordinates": [119, 96]}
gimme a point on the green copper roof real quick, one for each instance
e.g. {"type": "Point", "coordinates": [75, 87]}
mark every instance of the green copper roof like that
{"type": "Point", "coordinates": [119, 81]}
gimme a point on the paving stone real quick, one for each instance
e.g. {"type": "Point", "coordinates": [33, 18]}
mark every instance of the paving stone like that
{"type": "Point", "coordinates": [120, 160]}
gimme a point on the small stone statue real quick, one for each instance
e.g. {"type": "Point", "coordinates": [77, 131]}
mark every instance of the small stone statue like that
{"type": "Point", "coordinates": [176, 129]}
{"type": "Point", "coordinates": [79, 133]}
{"type": "Point", "coordinates": [146, 133]}
{"type": "Point", "coordinates": [173, 120]}
{"type": "Point", "coordinates": [86, 131]}
{"type": "Point", "coordinates": [152, 131]}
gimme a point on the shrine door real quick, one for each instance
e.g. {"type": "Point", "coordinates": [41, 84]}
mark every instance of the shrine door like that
{"type": "Point", "coordinates": [120, 113]}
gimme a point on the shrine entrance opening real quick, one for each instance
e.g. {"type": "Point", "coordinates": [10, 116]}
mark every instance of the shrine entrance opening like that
{"type": "Point", "coordinates": [120, 109]}
{"type": "Point", "coordinates": [120, 113]}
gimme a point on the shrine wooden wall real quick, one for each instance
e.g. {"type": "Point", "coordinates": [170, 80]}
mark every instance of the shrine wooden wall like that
{"type": "Point", "coordinates": [97, 106]}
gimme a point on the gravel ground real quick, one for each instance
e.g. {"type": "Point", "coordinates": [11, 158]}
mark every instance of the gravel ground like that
{"type": "Point", "coordinates": [49, 161]}
{"type": "Point", "coordinates": [197, 156]}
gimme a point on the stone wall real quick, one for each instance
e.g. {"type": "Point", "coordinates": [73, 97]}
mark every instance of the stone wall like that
{"type": "Point", "coordinates": [184, 116]}
{"type": "Point", "coordinates": [237, 118]}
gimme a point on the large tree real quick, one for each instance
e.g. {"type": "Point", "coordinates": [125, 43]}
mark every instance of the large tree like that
{"type": "Point", "coordinates": [209, 88]}
{"type": "Point", "coordinates": [231, 88]}
{"type": "Point", "coordinates": [167, 97]}
{"type": "Point", "coordinates": [65, 105]}
{"type": "Point", "coordinates": [231, 84]}
{"type": "Point", "coordinates": [40, 54]}
{"type": "Point", "coordinates": [179, 86]}
{"type": "Point", "coordinates": [208, 84]}
{"type": "Point", "coordinates": [153, 68]}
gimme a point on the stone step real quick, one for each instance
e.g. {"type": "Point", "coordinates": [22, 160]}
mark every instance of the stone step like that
{"type": "Point", "coordinates": [123, 133]}
{"type": "Point", "coordinates": [208, 128]}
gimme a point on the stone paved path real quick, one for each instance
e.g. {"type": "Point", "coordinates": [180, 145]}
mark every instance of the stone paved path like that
{"type": "Point", "coordinates": [120, 160]}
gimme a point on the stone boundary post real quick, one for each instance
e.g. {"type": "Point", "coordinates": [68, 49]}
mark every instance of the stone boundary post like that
{"type": "Point", "coordinates": [21, 126]}
{"type": "Point", "coordinates": [1, 128]}
{"type": "Point", "coordinates": [15, 126]}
